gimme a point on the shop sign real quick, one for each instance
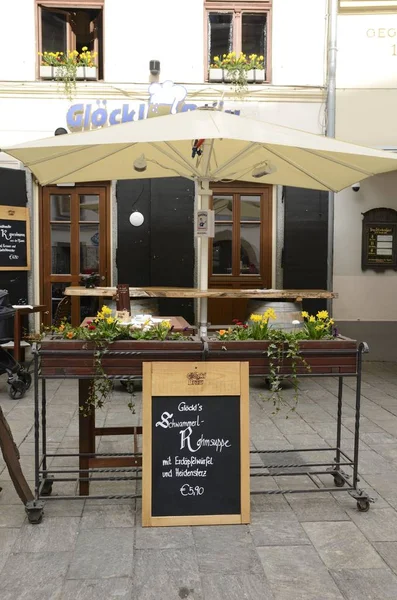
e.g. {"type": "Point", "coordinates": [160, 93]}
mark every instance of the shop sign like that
{"type": "Point", "coordinates": [164, 98]}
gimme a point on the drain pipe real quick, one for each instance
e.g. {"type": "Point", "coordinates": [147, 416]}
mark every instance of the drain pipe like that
{"type": "Point", "coordinates": [330, 129]}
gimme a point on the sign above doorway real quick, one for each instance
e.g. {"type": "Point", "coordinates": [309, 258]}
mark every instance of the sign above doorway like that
{"type": "Point", "coordinates": [164, 98]}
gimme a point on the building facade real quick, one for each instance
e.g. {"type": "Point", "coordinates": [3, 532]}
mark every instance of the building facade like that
{"type": "Point", "coordinates": [266, 236]}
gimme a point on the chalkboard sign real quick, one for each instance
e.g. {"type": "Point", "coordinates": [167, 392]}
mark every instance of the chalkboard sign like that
{"type": "Point", "coordinates": [195, 443]}
{"type": "Point", "coordinates": [14, 239]}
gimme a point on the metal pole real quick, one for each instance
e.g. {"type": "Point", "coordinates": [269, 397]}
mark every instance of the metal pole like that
{"type": "Point", "coordinates": [330, 128]}
{"type": "Point", "coordinates": [205, 193]}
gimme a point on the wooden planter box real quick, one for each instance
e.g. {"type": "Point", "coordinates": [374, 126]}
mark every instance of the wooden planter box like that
{"type": "Point", "coordinates": [338, 356]}
{"type": "Point", "coordinates": [76, 358]}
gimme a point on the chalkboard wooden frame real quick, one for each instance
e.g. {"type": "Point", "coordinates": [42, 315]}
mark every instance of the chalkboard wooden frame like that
{"type": "Point", "coordinates": [17, 213]}
{"type": "Point", "coordinates": [217, 379]}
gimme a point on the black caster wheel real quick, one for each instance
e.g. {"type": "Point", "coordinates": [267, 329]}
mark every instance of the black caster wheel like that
{"type": "Point", "coordinates": [35, 511]}
{"type": "Point", "coordinates": [46, 490]}
{"type": "Point", "coordinates": [339, 481]}
{"type": "Point", "coordinates": [363, 505]}
{"type": "Point", "coordinates": [16, 393]}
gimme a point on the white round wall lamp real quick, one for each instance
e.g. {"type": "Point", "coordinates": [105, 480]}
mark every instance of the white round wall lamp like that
{"type": "Point", "coordinates": [136, 218]}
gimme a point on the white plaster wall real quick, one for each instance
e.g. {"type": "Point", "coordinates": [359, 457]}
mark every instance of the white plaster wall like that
{"type": "Point", "coordinates": [17, 41]}
{"type": "Point", "coordinates": [171, 32]}
{"type": "Point", "coordinates": [367, 51]}
{"type": "Point", "coordinates": [363, 295]}
{"type": "Point", "coordinates": [299, 42]}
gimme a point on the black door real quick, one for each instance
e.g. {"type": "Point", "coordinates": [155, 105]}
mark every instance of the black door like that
{"type": "Point", "coordinates": [305, 242]}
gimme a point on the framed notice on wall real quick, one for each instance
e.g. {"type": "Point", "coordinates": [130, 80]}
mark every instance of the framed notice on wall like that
{"type": "Point", "coordinates": [379, 242]}
{"type": "Point", "coordinates": [195, 468]}
{"type": "Point", "coordinates": [14, 238]}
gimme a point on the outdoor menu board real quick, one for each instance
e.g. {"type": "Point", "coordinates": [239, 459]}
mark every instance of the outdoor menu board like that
{"type": "Point", "coordinates": [14, 238]}
{"type": "Point", "coordinates": [195, 467]}
{"type": "Point", "coordinates": [379, 248]}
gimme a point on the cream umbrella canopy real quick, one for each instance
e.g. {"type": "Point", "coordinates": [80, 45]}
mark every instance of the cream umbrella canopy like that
{"type": "Point", "coordinates": [202, 145]}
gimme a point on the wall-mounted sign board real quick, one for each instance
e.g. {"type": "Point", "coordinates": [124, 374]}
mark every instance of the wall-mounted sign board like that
{"type": "Point", "coordinates": [379, 242]}
{"type": "Point", "coordinates": [14, 238]}
{"type": "Point", "coordinates": [195, 468]}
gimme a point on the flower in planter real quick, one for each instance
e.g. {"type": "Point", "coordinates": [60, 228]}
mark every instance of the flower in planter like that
{"type": "Point", "coordinates": [67, 64]}
{"type": "Point", "coordinates": [318, 327]}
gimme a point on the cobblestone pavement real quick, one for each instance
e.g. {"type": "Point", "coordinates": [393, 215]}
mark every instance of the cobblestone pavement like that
{"type": "Point", "coordinates": [297, 547]}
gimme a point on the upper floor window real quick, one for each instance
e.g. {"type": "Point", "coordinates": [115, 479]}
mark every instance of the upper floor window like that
{"type": "Point", "coordinates": [65, 26]}
{"type": "Point", "coordinates": [241, 27]}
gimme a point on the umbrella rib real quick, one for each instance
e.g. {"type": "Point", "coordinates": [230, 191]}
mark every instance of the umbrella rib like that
{"type": "Point", "coordinates": [338, 162]}
{"type": "Point", "coordinates": [93, 162]}
{"type": "Point", "coordinates": [299, 168]}
{"type": "Point", "coordinates": [183, 162]}
{"type": "Point", "coordinates": [249, 148]}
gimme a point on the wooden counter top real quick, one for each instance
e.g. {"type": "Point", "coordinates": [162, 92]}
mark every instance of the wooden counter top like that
{"type": "Point", "coordinates": [168, 292]}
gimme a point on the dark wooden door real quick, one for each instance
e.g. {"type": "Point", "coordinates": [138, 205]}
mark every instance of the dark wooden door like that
{"type": "Point", "coordinates": [241, 251]}
{"type": "Point", "coordinates": [74, 243]}
{"type": "Point", "coordinates": [305, 242]}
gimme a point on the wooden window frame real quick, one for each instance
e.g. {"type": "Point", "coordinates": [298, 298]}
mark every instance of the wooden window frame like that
{"type": "Point", "coordinates": [46, 277]}
{"type": "Point", "coordinates": [239, 7]}
{"type": "Point", "coordinates": [69, 4]}
{"type": "Point", "coordinates": [264, 277]}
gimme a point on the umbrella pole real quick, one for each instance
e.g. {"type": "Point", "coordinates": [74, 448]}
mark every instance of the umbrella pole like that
{"type": "Point", "coordinates": [203, 251]}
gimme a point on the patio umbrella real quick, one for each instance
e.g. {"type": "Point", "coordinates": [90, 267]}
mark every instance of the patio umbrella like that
{"type": "Point", "coordinates": [203, 145]}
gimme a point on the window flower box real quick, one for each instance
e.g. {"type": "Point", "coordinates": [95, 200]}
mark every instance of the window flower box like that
{"type": "Point", "coordinates": [82, 73]}
{"type": "Point", "coordinates": [224, 76]}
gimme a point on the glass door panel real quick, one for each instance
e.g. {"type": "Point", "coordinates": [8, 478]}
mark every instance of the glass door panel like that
{"type": "Point", "coordinates": [73, 244]}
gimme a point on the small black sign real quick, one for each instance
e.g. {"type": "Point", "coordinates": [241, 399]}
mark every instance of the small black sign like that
{"type": "Point", "coordinates": [196, 455]}
{"type": "Point", "coordinates": [379, 243]}
{"type": "Point", "coordinates": [13, 244]}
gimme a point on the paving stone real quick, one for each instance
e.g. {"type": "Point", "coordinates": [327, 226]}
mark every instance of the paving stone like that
{"type": "Point", "coordinates": [378, 525]}
{"type": "Point", "coordinates": [117, 588]}
{"type": "Point", "coordinates": [296, 572]}
{"type": "Point", "coordinates": [236, 587]}
{"type": "Point", "coordinates": [375, 439]}
{"type": "Point", "coordinates": [316, 507]}
{"type": "Point", "coordinates": [225, 549]}
{"type": "Point", "coordinates": [8, 494]}
{"type": "Point", "coordinates": [55, 534]}
{"type": "Point", "coordinates": [12, 515]}
{"type": "Point", "coordinates": [101, 555]}
{"type": "Point", "coordinates": [31, 576]}
{"type": "Point", "coordinates": [269, 503]}
{"type": "Point", "coordinates": [104, 516]}
{"type": "Point", "coordinates": [388, 551]}
{"type": "Point", "coordinates": [7, 541]}
{"type": "Point", "coordinates": [370, 462]}
{"type": "Point", "coordinates": [63, 508]}
{"type": "Point", "coordinates": [272, 529]}
{"type": "Point", "coordinates": [342, 545]}
{"type": "Point", "coordinates": [169, 574]}
{"type": "Point", "coordinates": [163, 537]}
{"type": "Point", "coordinates": [371, 584]}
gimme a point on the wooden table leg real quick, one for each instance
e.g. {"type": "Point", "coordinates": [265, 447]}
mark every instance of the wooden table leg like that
{"type": "Point", "coordinates": [86, 434]}
{"type": "Point", "coordinates": [17, 336]}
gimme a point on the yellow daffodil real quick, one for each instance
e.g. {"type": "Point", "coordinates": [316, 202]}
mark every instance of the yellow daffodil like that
{"type": "Point", "coordinates": [256, 318]}
{"type": "Point", "coordinates": [305, 314]}
{"type": "Point", "coordinates": [110, 320]}
{"type": "Point", "coordinates": [312, 319]}
{"type": "Point", "coordinates": [322, 314]}
{"type": "Point", "coordinates": [166, 323]}
{"type": "Point", "coordinates": [84, 48]}
{"type": "Point", "coordinates": [106, 310]}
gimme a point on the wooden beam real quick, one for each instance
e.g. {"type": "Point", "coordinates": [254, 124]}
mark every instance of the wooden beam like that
{"type": "Point", "coordinates": [168, 292]}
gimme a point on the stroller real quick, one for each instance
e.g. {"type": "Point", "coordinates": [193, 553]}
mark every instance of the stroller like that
{"type": "Point", "coordinates": [18, 378]}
